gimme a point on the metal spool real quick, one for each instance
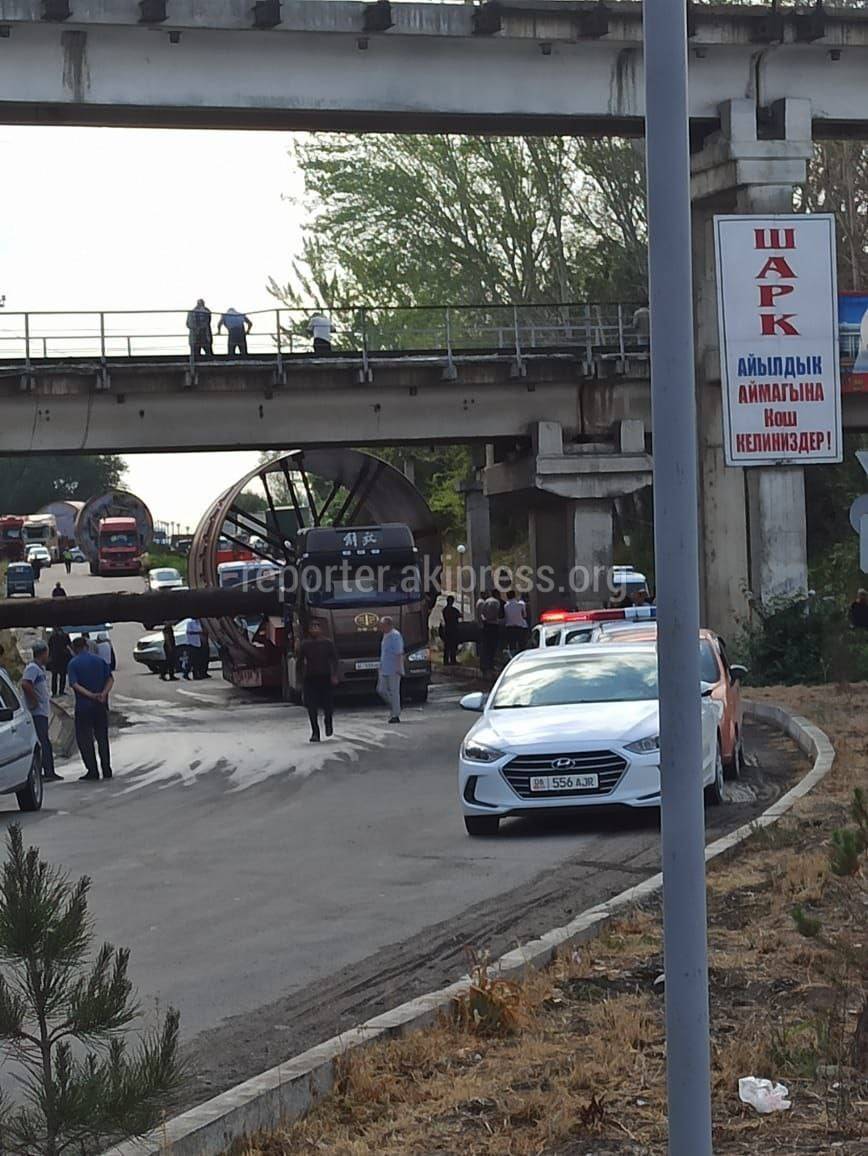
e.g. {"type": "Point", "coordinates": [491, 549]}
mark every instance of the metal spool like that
{"type": "Point", "coordinates": [341, 487]}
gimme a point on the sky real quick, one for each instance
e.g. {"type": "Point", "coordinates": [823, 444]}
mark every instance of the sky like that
{"type": "Point", "coordinates": [99, 218]}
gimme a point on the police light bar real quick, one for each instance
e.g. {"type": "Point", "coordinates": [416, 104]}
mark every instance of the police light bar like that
{"type": "Point", "coordinates": [627, 614]}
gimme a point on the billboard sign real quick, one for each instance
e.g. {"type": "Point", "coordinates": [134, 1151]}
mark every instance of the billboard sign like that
{"type": "Point", "coordinates": [780, 369]}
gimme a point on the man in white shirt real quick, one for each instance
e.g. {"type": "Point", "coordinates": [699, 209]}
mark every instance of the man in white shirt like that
{"type": "Point", "coordinates": [515, 621]}
{"type": "Point", "coordinates": [35, 686]}
{"type": "Point", "coordinates": [192, 641]}
{"type": "Point", "coordinates": [391, 668]}
{"type": "Point", "coordinates": [320, 329]}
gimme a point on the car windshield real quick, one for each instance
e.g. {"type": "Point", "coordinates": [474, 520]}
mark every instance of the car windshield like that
{"type": "Point", "coordinates": [166, 576]}
{"type": "Point", "coordinates": [579, 679]}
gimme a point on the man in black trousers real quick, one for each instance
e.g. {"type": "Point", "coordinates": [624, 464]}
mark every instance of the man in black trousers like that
{"type": "Point", "coordinates": [319, 668]}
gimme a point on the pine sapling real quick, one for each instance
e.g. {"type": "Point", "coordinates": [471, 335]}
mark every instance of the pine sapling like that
{"type": "Point", "coordinates": [63, 1018]}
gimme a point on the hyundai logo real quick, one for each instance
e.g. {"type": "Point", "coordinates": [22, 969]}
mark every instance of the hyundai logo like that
{"type": "Point", "coordinates": [563, 764]}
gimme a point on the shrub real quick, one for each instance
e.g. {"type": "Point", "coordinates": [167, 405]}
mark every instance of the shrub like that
{"type": "Point", "coordinates": [62, 1019]}
{"type": "Point", "coordinates": [793, 641]}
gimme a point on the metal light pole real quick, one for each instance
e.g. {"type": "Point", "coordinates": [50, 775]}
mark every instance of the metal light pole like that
{"type": "Point", "coordinates": [677, 569]}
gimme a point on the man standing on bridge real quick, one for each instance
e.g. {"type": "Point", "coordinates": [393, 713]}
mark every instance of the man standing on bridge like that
{"type": "Point", "coordinates": [91, 680]}
{"type": "Point", "coordinates": [237, 327]}
{"type": "Point", "coordinates": [199, 325]}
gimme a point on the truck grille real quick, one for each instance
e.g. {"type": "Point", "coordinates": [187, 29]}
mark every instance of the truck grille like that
{"type": "Point", "coordinates": [607, 764]}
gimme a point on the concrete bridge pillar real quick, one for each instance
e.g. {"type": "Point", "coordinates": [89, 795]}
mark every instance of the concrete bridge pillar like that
{"type": "Point", "coordinates": [570, 544]}
{"type": "Point", "coordinates": [752, 520]}
{"type": "Point", "coordinates": [477, 513]}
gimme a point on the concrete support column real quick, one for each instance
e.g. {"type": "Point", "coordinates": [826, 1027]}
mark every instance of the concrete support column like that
{"type": "Point", "coordinates": [778, 536]}
{"type": "Point", "coordinates": [478, 517]}
{"type": "Point", "coordinates": [592, 546]}
{"type": "Point", "coordinates": [737, 173]}
{"type": "Point", "coordinates": [550, 555]}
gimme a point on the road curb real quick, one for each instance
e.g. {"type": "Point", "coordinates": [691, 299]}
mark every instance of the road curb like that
{"type": "Point", "coordinates": [293, 1087]}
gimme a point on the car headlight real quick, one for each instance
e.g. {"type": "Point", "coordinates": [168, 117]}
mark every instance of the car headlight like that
{"type": "Point", "coordinates": [423, 655]}
{"type": "Point", "coordinates": [644, 746]}
{"type": "Point", "coordinates": [474, 752]}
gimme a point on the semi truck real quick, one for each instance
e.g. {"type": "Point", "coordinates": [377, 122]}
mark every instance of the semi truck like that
{"type": "Point", "coordinates": [41, 530]}
{"type": "Point", "coordinates": [113, 531]}
{"type": "Point", "coordinates": [348, 579]}
{"type": "Point", "coordinates": [118, 550]}
{"type": "Point", "coordinates": [11, 538]}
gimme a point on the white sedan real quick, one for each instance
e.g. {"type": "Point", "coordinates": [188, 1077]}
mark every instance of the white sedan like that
{"type": "Point", "coordinates": [39, 554]}
{"type": "Point", "coordinates": [165, 578]}
{"type": "Point", "coordinates": [572, 727]}
{"type": "Point", "coordinates": [20, 756]}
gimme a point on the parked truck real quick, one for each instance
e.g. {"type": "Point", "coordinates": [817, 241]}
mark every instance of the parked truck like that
{"type": "Point", "coordinates": [113, 531]}
{"type": "Point", "coordinates": [11, 538]}
{"type": "Point", "coordinates": [41, 530]}
{"type": "Point", "coordinates": [118, 551]}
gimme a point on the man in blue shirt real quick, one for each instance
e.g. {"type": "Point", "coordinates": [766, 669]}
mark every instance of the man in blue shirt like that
{"type": "Point", "coordinates": [237, 327]}
{"type": "Point", "coordinates": [391, 668]}
{"type": "Point", "coordinates": [91, 680]}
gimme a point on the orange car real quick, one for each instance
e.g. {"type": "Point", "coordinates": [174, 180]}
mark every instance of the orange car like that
{"type": "Point", "coordinates": [714, 669]}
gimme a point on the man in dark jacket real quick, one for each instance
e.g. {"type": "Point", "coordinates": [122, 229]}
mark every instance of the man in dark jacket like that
{"type": "Point", "coordinates": [170, 652]}
{"type": "Point", "coordinates": [199, 325]}
{"type": "Point", "coordinates": [59, 654]}
{"type": "Point", "coordinates": [319, 669]}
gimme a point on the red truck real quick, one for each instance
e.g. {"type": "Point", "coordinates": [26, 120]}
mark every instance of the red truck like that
{"type": "Point", "coordinates": [11, 538]}
{"type": "Point", "coordinates": [119, 548]}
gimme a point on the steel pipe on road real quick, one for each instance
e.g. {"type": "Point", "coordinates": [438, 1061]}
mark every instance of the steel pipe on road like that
{"type": "Point", "coordinates": [167, 606]}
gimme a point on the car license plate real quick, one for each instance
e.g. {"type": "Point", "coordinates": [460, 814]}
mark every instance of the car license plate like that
{"type": "Point", "coordinates": [564, 782]}
{"type": "Point", "coordinates": [367, 666]}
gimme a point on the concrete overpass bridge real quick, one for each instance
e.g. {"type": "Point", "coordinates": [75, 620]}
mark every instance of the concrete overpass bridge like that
{"type": "Point", "coordinates": [568, 66]}
{"type": "Point", "coordinates": [126, 382]}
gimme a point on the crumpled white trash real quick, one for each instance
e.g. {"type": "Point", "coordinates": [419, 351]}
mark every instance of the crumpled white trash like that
{"type": "Point", "coordinates": [763, 1095]}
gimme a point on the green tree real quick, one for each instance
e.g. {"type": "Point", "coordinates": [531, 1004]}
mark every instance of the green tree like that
{"type": "Point", "coordinates": [63, 1018]}
{"type": "Point", "coordinates": [28, 483]}
{"type": "Point", "coordinates": [432, 220]}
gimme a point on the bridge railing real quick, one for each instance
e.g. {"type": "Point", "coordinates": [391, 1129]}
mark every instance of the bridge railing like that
{"type": "Point", "coordinates": [362, 330]}
{"type": "Point", "coordinates": [587, 330]}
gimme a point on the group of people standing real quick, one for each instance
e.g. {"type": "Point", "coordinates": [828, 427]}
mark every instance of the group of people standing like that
{"type": "Point", "coordinates": [501, 621]}
{"type": "Point", "coordinates": [238, 326]}
{"type": "Point", "coordinates": [90, 677]}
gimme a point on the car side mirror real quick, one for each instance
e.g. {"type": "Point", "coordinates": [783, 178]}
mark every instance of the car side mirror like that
{"type": "Point", "coordinates": [475, 701]}
{"type": "Point", "coordinates": [6, 714]}
{"type": "Point", "coordinates": [707, 689]}
{"type": "Point", "coordinates": [738, 673]}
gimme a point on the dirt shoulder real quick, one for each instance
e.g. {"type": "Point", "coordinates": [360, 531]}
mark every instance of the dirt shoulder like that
{"type": "Point", "coordinates": [571, 1062]}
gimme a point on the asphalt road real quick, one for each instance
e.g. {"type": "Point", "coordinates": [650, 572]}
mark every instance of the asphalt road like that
{"type": "Point", "coordinates": [277, 892]}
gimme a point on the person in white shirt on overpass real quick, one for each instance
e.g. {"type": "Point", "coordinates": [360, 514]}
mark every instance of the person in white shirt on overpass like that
{"type": "Point", "coordinates": [320, 329]}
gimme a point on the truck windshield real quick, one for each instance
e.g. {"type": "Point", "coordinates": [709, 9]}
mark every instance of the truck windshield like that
{"type": "Point", "coordinates": [368, 586]}
{"type": "Point", "coordinates": [119, 538]}
{"type": "Point", "coordinates": [10, 532]}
